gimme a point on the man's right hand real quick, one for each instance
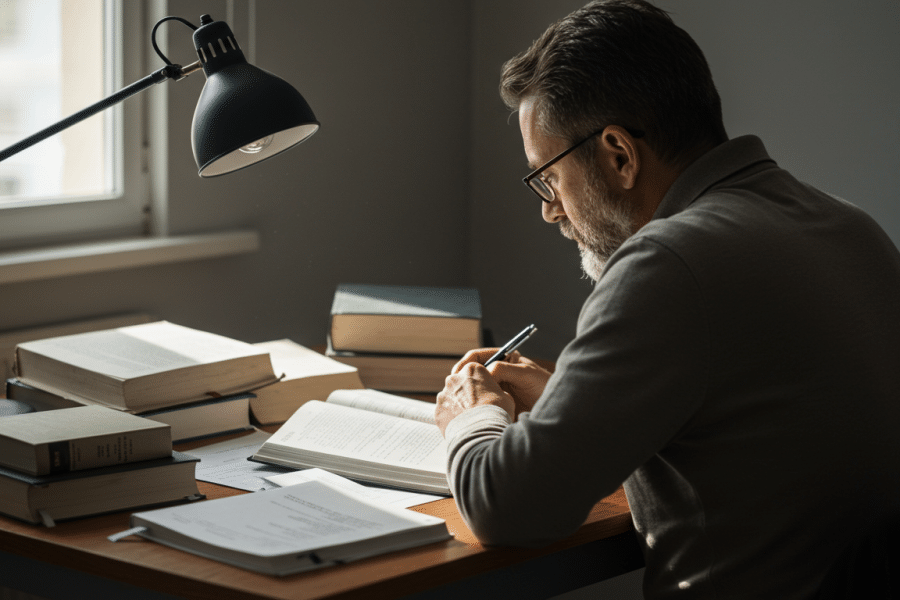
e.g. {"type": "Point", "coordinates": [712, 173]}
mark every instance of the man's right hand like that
{"type": "Point", "coordinates": [520, 377]}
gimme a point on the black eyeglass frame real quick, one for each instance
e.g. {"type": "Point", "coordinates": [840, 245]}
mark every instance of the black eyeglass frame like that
{"type": "Point", "coordinates": [528, 179]}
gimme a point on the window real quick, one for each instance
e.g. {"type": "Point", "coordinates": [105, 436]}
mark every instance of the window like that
{"type": "Point", "coordinates": [58, 57]}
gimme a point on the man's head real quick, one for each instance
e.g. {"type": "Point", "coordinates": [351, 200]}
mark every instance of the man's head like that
{"type": "Point", "coordinates": [618, 67]}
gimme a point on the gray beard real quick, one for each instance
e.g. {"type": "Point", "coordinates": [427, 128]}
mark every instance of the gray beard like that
{"type": "Point", "coordinates": [608, 223]}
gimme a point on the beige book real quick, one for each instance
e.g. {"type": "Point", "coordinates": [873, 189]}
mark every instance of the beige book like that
{"type": "Point", "coordinates": [365, 435]}
{"type": "Point", "coordinates": [74, 439]}
{"type": "Point", "coordinates": [405, 319]}
{"type": "Point", "coordinates": [410, 373]}
{"type": "Point", "coordinates": [143, 367]}
{"type": "Point", "coordinates": [308, 375]}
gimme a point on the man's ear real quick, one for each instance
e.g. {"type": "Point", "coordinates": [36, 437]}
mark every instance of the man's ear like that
{"type": "Point", "coordinates": [623, 161]}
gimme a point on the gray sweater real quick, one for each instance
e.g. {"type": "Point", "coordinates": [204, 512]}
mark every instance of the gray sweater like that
{"type": "Point", "coordinates": [737, 366]}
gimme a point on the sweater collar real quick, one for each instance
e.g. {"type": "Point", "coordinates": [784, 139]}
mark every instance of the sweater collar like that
{"type": "Point", "coordinates": [718, 164]}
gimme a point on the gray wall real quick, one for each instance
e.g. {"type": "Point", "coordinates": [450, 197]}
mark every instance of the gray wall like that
{"type": "Point", "coordinates": [415, 175]}
{"type": "Point", "coordinates": [818, 81]}
{"type": "Point", "coordinates": [377, 195]}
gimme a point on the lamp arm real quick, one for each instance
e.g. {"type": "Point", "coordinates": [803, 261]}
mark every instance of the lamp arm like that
{"type": "Point", "coordinates": [170, 71]}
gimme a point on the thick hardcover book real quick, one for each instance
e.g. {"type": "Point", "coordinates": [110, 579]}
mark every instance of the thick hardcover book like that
{"type": "Point", "coordinates": [410, 373]}
{"type": "Point", "coordinates": [308, 375]}
{"type": "Point", "coordinates": [143, 367]}
{"type": "Point", "coordinates": [205, 418]}
{"type": "Point", "coordinates": [50, 498]}
{"type": "Point", "coordinates": [297, 528]}
{"type": "Point", "coordinates": [405, 319]}
{"type": "Point", "coordinates": [366, 435]}
{"type": "Point", "coordinates": [74, 439]}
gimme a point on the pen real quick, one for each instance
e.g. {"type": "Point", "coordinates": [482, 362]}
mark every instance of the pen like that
{"type": "Point", "coordinates": [511, 345]}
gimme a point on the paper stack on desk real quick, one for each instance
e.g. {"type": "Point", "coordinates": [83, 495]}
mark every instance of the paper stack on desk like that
{"type": "Point", "coordinates": [292, 529]}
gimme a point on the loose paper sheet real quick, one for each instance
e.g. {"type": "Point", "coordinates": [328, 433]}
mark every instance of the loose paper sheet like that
{"type": "Point", "coordinates": [385, 496]}
{"type": "Point", "coordinates": [226, 463]}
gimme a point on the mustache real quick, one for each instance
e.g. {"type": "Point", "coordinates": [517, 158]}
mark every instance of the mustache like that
{"type": "Point", "coordinates": [568, 230]}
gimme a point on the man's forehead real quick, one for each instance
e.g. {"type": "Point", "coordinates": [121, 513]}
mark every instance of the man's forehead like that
{"type": "Point", "coordinates": [538, 147]}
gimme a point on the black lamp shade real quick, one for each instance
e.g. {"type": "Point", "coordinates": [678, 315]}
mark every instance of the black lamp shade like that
{"type": "Point", "coordinates": [244, 114]}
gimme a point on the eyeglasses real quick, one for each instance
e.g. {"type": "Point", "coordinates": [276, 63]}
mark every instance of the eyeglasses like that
{"type": "Point", "coordinates": [540, 186]}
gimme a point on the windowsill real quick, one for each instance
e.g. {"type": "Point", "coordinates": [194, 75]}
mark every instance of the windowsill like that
{"type": "Point", "coordinates": [78, 259]}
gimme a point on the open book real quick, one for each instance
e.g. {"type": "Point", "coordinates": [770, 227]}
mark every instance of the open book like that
{"type": "Point", "coordinates": [365, 435]}
{"type": "Point", "coordinates": [288, 530]}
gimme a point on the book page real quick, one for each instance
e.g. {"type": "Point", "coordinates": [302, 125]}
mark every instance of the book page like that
{"type": "Point", "coordinates": [299, 518]}
{"type": "Point", "coordinates": [378, 495]}
{"type": "Point", "coordinates": [138, 350]}
{"type": "Point", "coordinates": [384, 403]}
{"type": "Point", "coordinates": [359, 434]}
{"type": "Point", "coordinates": [297, 361]}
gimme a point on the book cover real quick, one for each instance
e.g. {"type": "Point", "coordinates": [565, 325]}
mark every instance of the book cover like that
{"type": "Point", "coordinates": [83, 437]}
{"type": "Point", "coordinates": [143, 367]}
{"type": "Point", "coordinates": [405, 319]}
{"type": "Point", "coordinates": [50, 498]}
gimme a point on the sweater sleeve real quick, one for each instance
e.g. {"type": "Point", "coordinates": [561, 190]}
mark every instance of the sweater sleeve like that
{"type": "Point", "coordinates": [623, 388]}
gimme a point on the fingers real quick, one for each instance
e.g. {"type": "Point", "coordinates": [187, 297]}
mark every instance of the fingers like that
{"type": "Point", "coordinates": [479, 355]}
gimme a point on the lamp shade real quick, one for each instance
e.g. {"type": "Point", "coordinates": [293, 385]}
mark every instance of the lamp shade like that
{"type": "Point", "coordinates": [244, 114]}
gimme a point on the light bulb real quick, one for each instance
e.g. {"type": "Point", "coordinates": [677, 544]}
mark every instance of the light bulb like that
{"type": "Point", "coordinates": [258, 145]}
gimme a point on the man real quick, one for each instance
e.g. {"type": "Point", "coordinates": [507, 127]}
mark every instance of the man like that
{"type": "Point", "coordinates": [737, 365]}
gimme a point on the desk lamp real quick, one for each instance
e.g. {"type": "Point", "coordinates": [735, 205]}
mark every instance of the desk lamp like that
{"type": "Point", "coordinates": [244, 114]}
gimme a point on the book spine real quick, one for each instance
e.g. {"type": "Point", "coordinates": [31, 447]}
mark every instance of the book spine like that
{"type": "Point", "coordinates": [104, 451]}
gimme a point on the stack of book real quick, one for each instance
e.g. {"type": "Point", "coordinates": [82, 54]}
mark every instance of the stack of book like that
{"type": "Point", "coordinates": [197, 382]}
{"type": "Point", "coordinates": [88, 460]}
{"type": "Point", "coordinates": [403, 338]}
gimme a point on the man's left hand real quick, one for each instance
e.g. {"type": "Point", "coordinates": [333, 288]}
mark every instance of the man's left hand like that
{"type": "Point", "coordinates": [470, 386]}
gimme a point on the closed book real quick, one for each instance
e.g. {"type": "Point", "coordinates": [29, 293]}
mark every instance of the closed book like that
{"type": "Point", "coordinates": [306, 526]}
{"type": "Point", "coordinates": [143, 367]}
{"type": "Point", "coordinates": [405, 319]}
{"type": "Point", "coordinates": [195, 420]}
{"type": "Point", "coordinates": [50, 498]}
{"type": "Point", "coordinates": [37, 398]}
{"type": "Point", "coordinates": [366, 435]}
{"type": "Point", "coordinates": [410, 373]}
{"type": "Point", "coordinates": [206, 418]}
{"type": "Point", "coordinates": [308, 375]}
{"type": "Point", "coordinates": [83, 437]}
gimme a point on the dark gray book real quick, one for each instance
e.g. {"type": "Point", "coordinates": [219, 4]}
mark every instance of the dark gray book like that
{"type": "Point", "coordinates": [50, 498]}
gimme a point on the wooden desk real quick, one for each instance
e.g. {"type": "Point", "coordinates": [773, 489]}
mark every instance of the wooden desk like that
{"type": "Point", "coordinates": [605, 546]}
{"type": "Point", "coordinates": [75, 560]}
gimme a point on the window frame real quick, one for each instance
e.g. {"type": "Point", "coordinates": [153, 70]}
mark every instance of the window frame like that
{"type": "Point", "coordinates": [125, 213]}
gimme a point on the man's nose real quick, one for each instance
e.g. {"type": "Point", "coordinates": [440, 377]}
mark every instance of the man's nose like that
{"type": "Point", "coordinates": [553, 211]}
